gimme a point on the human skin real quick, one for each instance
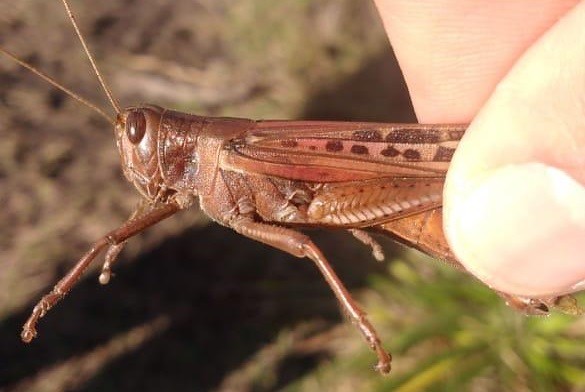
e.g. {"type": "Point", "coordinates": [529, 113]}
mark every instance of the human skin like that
{"type": "Point", "coordinates": [514, 199]}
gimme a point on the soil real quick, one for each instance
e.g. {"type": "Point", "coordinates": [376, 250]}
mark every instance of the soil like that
{"type": "Point", "coordinates": [192, 303]}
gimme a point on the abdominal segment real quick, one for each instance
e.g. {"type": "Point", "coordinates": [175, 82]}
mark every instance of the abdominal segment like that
{"type": "Point", "coordinates": [364, 203]}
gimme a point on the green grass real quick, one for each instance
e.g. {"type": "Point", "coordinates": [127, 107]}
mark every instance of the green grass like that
{"type": "Point", "coordinates": [447, 332]}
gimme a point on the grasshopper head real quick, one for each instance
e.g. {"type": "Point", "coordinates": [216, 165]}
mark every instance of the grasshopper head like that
{"type": "Point", "coordinates": [137, 139]}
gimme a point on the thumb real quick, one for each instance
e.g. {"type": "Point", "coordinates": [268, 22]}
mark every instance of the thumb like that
{"type": "Point", "coordinates": [515, 192]}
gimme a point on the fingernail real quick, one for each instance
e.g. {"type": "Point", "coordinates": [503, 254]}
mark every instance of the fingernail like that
{"type": "Point", "coordinates": [522, 231]}
{"type": "Point", "coordinates": [580, 286]}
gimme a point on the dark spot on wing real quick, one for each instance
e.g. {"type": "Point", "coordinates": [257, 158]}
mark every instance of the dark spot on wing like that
{"type": "Point", "coordinates": [390, 151]}
{"type": "Point", "coordinates": [369, 135]}
{"type": "Point", "coordinates": [411, 154]}
{"type": "Point", "coordinates": [289, 143]}
{"type": "Point", "coordinates": [334, 146]}
{"type": "Point", "coordinates": [312, 148]}
{"type": "Point", "coordinates": [456, 135]}
{"type": "Point", "coordinates": [359, 149]}
{"type": "Point", "coordinates": [413, 136]}
{"type": "Point", "coordinates": [444, 154]}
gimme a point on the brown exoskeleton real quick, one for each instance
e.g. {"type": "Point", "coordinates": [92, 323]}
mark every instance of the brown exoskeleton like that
{"type": "Point", "coordinates": [266, 179]}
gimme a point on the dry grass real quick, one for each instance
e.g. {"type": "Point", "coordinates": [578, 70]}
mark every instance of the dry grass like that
{"type": "Point", "coordinates": [61, 186]}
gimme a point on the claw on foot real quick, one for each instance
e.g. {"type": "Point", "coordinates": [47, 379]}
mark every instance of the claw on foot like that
{"type": "Point", "coordinates": [384, 362]}
{"type": "Point", "coordinates": [28, 334]}
{"type": "Point", "coordinates": [105, 276]}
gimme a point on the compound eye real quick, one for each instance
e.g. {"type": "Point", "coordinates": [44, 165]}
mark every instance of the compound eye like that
{"type": "Point", "coordinates": [135, 126]}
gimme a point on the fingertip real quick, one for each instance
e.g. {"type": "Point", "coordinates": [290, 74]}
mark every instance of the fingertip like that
{"type": "Point", "coordinates": [522, 230]}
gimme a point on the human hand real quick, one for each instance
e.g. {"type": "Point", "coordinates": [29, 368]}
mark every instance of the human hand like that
{"type": "Point", "coordinates": [514, 201]}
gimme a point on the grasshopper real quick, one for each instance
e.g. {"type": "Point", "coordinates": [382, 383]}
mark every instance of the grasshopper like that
{"type": "Point", "coordinates": [268, 179]}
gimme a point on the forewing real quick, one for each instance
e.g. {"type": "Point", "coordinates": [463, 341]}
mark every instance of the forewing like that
{"type": "Point", "coordinates": [343, 151]}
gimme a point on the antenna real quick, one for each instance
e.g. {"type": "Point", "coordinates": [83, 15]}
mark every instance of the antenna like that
{"type": "Point", "coordinates": [56, 84]}
{"type": "Point", "coordinates": [114, 103]}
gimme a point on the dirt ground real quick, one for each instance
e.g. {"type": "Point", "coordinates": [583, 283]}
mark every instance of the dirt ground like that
{"type": "Point", "coordinates": [192, 304]}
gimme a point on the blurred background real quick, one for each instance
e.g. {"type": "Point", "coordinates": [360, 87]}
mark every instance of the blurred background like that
{"type": "Point", "coordinates": [194, 306]}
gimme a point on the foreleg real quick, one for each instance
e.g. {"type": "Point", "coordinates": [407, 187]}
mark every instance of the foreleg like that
{"type": "Point", "coordinates": [114, 238]}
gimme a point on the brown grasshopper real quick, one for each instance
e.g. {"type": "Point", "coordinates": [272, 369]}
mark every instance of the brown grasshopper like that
{"type": "Point", "coordinates": [268, 179]}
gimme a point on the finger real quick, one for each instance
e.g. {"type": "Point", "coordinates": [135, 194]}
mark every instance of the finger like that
{"type": "Point", "coordinates": [453, 52]}
{"type": "Point", "coordinates": [515, 195]}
